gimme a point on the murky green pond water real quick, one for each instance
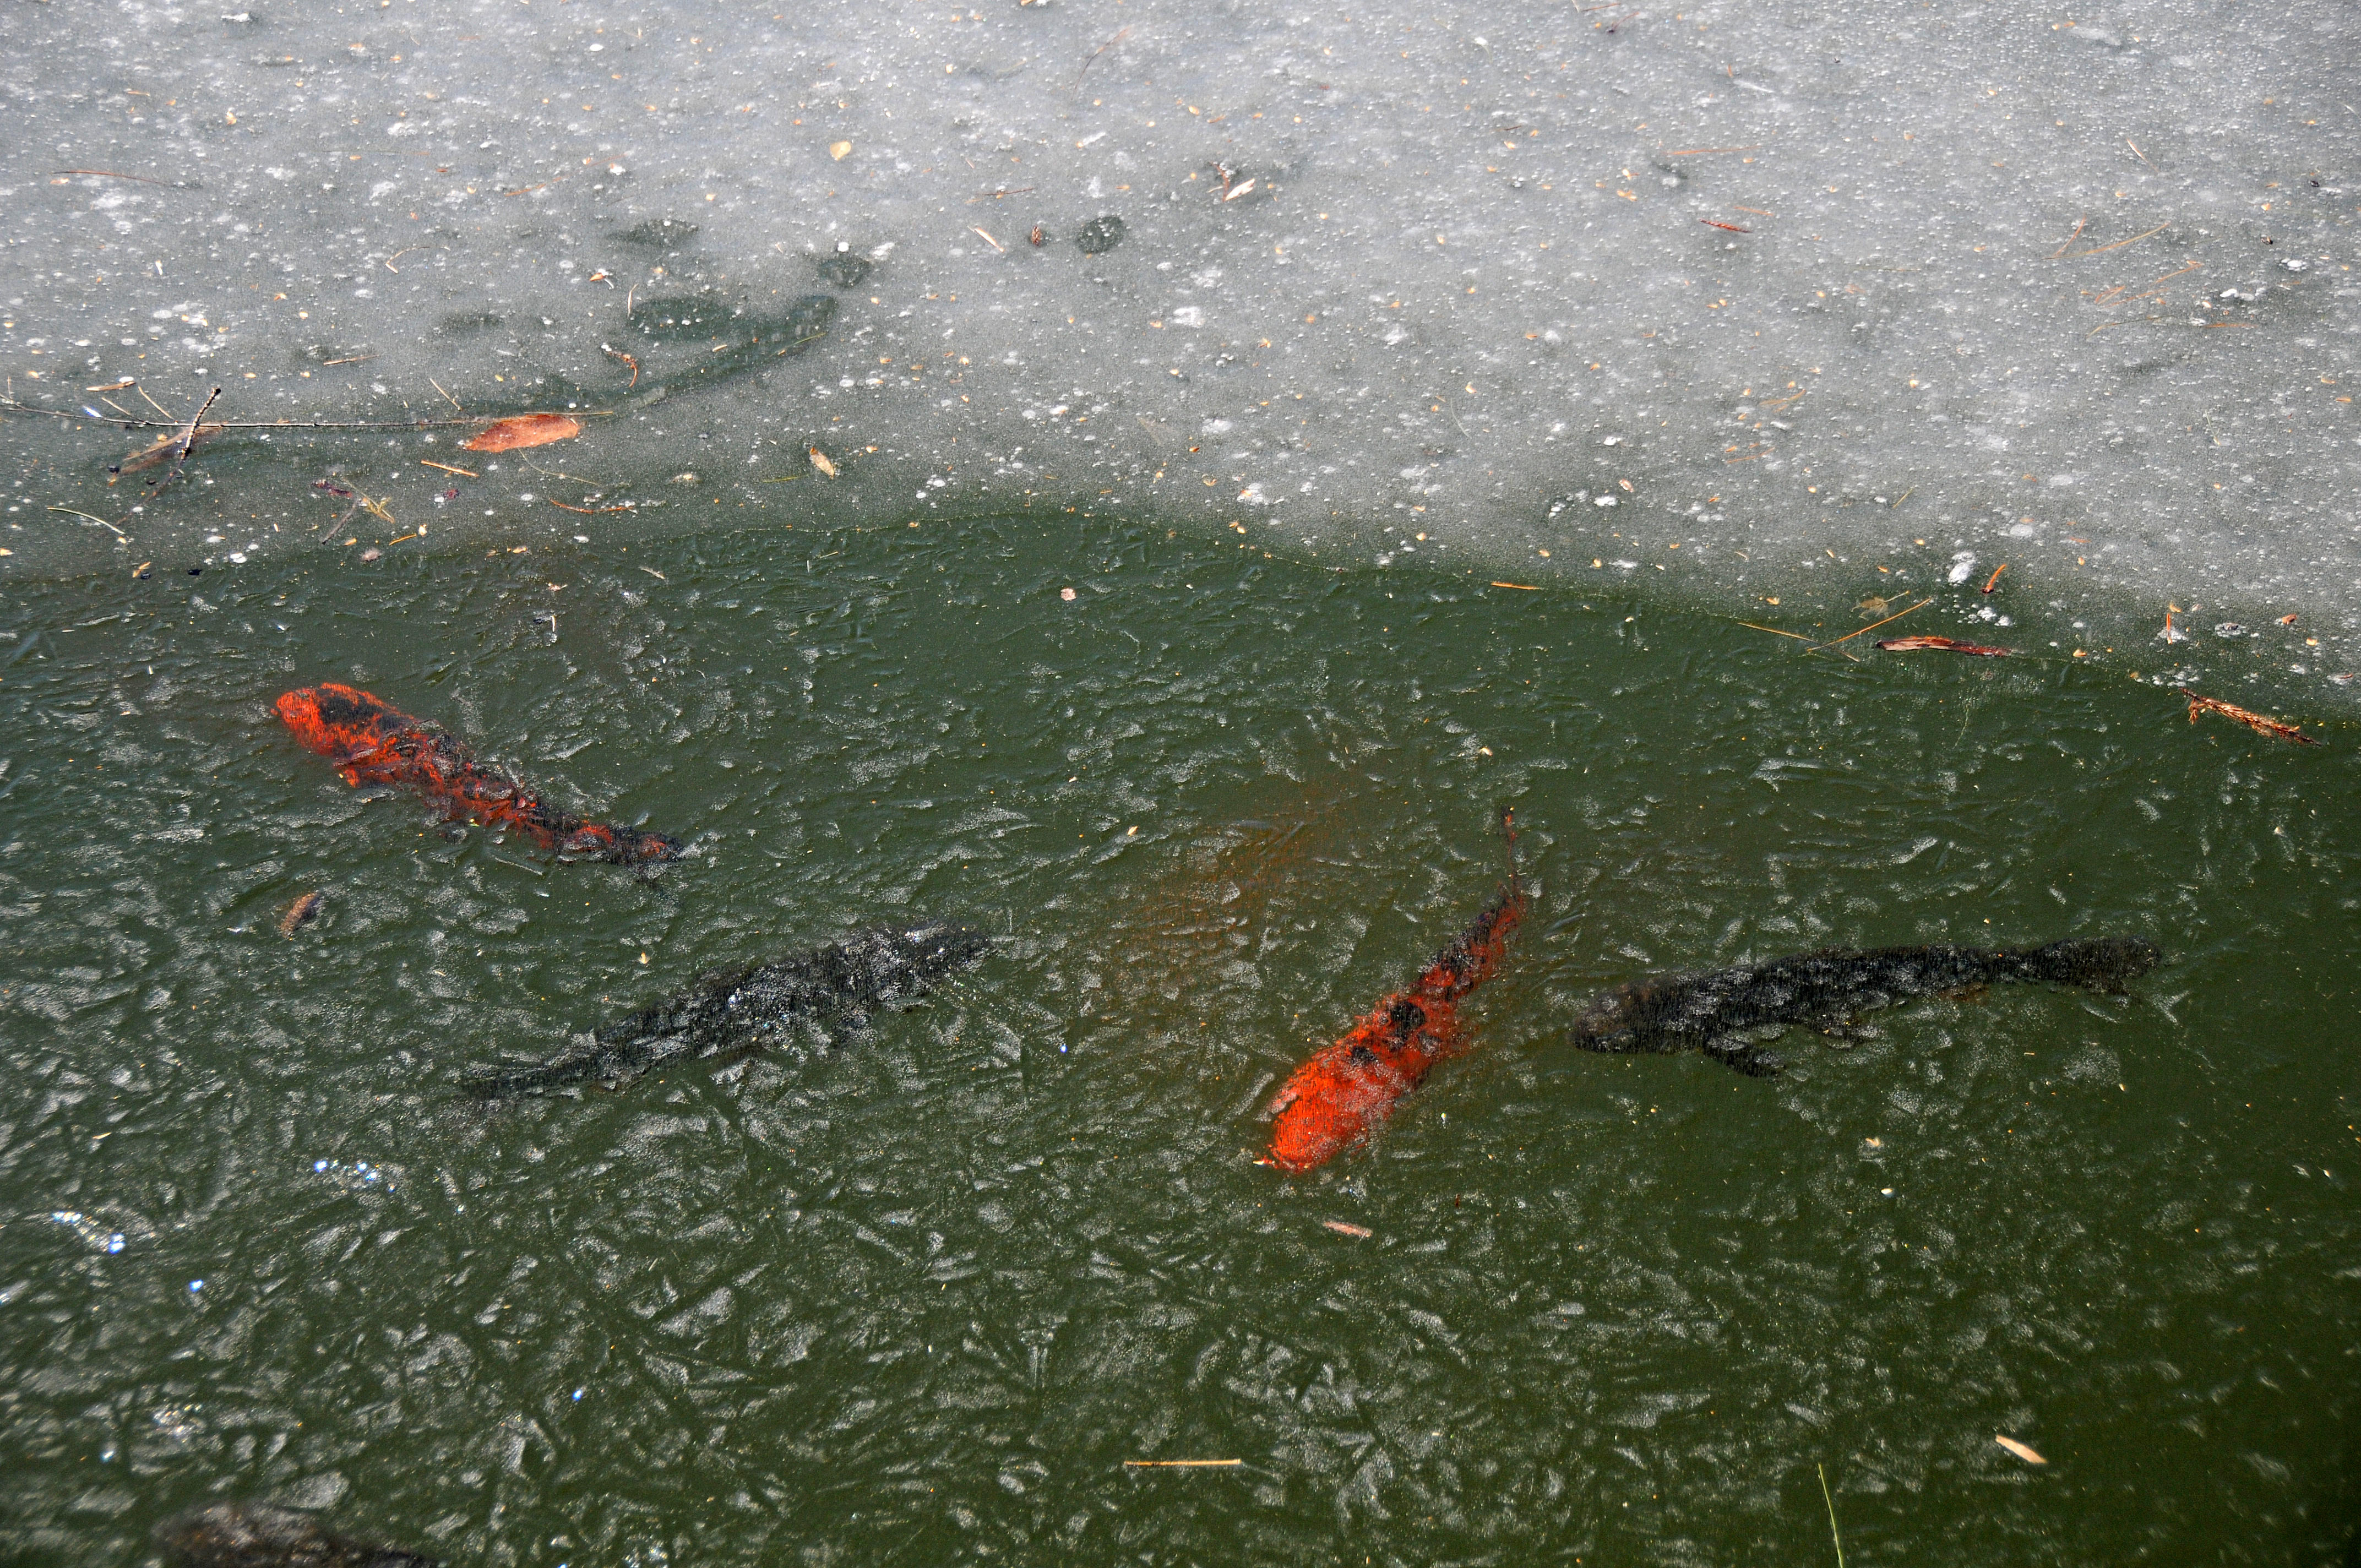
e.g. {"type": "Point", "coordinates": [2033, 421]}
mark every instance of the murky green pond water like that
{"type": "Point", "coordinates": [916, 1298]}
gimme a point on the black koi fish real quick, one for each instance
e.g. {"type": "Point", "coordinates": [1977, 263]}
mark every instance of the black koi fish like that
{"type": "Point", "coordinates": [1725, 1012]}
{"type": "Point", "coordinates": [737, 1012]}
{"type": "Point", "coordinates": [257, 1535]}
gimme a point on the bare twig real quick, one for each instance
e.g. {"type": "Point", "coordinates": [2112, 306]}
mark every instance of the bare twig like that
{"type": "Point", "coordinates": [172, 422]}
{"type": "Point", "coordinates": [99, 520]}
{"type": "Point", "coordinates": [189, 440]}
{"type": "Point", "coordinates": [111, 174]}
{"type": "Point", "coordinates": [1181, 1463]}
{"type": "Point", "coordinates": [1831, 1502]}
{"type": "Point", "coordinates": [2117, 246]}
{"type": "Point", "coordinates": [1874, 625]}
{"type": "Point", "coordinates": [1094, 55]}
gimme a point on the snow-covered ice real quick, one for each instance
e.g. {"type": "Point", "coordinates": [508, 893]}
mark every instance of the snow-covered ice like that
{"type": "Point", "coordinates": [1768, 298]}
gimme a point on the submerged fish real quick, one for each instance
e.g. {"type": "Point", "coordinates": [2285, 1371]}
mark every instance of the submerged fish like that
{"type": "Point", "coordinates": [736, 1012]}
{"type": "Point", "coordinates": [1719, 1012]}
{"type": "Point", "coordinates": [1343, 1092]}
{"type": "Point", "coordinates": [373, 744]}
{"type": "Point", "coordinates": [257, 1535]}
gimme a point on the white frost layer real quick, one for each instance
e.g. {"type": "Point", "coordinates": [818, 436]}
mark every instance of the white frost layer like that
{"type": "Point", "coordinates": [1787, 288]}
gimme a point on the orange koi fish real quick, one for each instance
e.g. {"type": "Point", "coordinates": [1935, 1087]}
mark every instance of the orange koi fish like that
{"type": "Point", "coordinates": [1342, 1093]}
{"type": "Point", "coordinates": [372, 743]}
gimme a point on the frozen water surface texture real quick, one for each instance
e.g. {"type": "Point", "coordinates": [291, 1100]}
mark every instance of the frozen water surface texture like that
{"type": "Point", "coordinates": [1740, 300]}
{"type": "Point", "coordinates": [916, 1291]}
{"type": "Point", "coordinates": [1398, 417]}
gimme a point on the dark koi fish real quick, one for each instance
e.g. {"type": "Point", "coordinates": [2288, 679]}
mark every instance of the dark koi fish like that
{"type": "Point", "coordinates": [737, 1012]}
{"type": "Point", "coordinates": [1724, 1013]}
{"type": "Point", "coordinates": [372, 743]}
{"type": "Point", "coordinates": [1342, 1093]}
{"type": "Point", "coordinates": [257, 1535]}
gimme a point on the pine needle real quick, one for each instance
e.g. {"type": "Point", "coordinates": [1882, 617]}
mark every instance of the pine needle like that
{"type": "Point", "coordinates": [1831, 1502]}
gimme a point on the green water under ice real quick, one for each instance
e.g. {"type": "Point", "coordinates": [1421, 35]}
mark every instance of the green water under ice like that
{"type": "Point", "coordinates": [915, 1296]}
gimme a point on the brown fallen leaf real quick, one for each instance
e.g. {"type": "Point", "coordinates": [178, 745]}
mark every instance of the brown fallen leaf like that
{"type": "Point", "coordinates": [523, 430]}
{"type": "Point", "coordinates": [1943, 645]}
{"type": "Point", "coordinates": [148, 456]}
{"type": "Point", "coordinates": [301, 912]}
{"type": "Point", "coordinates": [2023, 1450]}
{"type": "Point", "coordinates": [819, 461]}
{"type": "Point", "coordinates": [1343, 1229]}
{"type": "Point", "coordinates": [2260, 723]}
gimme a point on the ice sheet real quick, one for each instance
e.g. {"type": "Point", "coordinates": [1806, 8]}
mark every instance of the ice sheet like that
{"type": "Point", "coordinates": [1739, 303]}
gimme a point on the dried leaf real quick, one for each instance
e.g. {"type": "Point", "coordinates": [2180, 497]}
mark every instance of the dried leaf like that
{"type": "Point", "coordinates": [1944, 646]}
{"type": "Point", "coordinates": [2260, 723]}
{"type": "Point", "coordinates": [523, 430]}
{"type": "Point", "coordinates": [2022, 1451]}
{"type": "Point", "coordinates": [301, 912]}
{"type": "Point", "coordinates": [148, 456]}
{"type": "Point", "coordinates": [819, 461]}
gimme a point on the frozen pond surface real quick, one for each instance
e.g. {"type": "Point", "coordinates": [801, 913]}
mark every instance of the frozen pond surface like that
{"type": "Point", "coordinates": [1436, 393]}
{"type": "Point", "coordinates": [1727, 298]}
{"type": "Point", "coordinates": [919, 1295]}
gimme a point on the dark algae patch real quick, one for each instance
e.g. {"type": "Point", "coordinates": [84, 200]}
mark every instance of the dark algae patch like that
{"type": "Point", "coordinates": [706, 333]}
{"type": "Point", "coordinates": [807, 321]}
{"type": "Point", "coordinates": [1100, 234]}
{"type": "Point", "coordinates": [659, 234]}
{"type": "Point", "coordinates": [260, 1535]}
{"type": "Point", "coordinates": [844, 268]}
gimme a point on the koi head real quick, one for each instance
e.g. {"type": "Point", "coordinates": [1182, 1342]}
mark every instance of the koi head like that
{"type": "Point", "coordinates": [1336, 1098]}
{"type": "Point", "coordinates": [332, 720]}
{"type": "Point", "coordinates": [621, 846]}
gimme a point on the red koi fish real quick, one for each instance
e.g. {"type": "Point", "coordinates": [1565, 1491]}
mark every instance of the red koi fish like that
{"type": "Point", "coordinates": [372, 743]}
{"type": "Point", "coordinates": [1342, 1093]}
